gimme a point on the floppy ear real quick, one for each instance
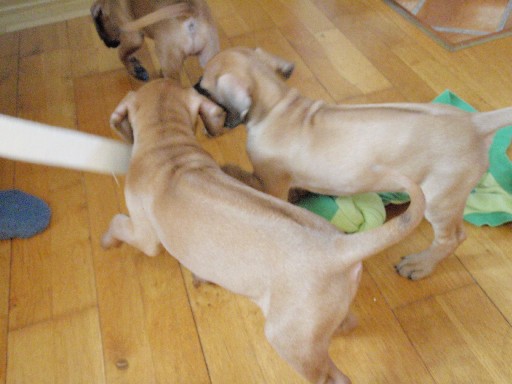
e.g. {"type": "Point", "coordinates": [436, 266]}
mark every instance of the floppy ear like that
{"type": "Point", "coordinates": [213, 117]}
{"type": "Point", "coordinates": [278, 64]}
{"type": "Point", "coordinates": [119, 120]}
{"type": "Point", "coordinates": [236, 99]}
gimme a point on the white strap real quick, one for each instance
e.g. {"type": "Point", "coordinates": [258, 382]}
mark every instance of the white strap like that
{"type": "Point", "coordinates": [33, 142]}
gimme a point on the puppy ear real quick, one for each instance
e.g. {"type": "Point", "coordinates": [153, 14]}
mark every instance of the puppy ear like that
{"type": "Point", "coordinates": [281, 66]}
{"type": "Point", "coordinates": [119, 120]}
{"type": "Point", "coordinates": [236, 99]}
{"type": "Point", "coordinates": [213, 117]}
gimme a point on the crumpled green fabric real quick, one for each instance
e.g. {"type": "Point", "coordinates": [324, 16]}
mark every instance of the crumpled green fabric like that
{"type": "Point", "coordinates": [351, 214]}
{"type": "Point", "coordinates": [359, 213]}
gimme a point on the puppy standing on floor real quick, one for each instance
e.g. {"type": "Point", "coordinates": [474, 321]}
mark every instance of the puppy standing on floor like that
{"type": "Point", "coordinates": [300, 270]}
{"type": "Point", "coordinates": [296, 142]}
{"type": "Point", "coordinates": [179, 29]}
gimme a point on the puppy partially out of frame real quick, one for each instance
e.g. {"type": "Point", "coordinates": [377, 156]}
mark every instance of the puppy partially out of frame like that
{"type": "Point", "coordinates": [179, 29]}
{"type": "Point", "coordinates": [300, 270]}
{"type": "Point", "coordinates": [295, 142]}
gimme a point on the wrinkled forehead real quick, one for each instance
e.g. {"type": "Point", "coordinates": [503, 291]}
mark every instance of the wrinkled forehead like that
{"type": "Point", "coordinates": [228, 61]}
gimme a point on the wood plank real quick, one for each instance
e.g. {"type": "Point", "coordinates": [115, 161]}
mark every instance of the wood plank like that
{"type": "Point", "coordinates": [90, 55]}
{"type": "Point", "coordinates": [460, 343]}
{"type": "Point", "coordinates": [485, 254]}
{"type": "Point", "coordinates": [175, 346]}
{"type": "Point", "coordinates": [60, 351]}
{"type": "Point", "coordinates": [350, 63]}
{"type": "Point", "coordinates": [246, 16]}
{"type": "Point", "coordinates": [46, 38]}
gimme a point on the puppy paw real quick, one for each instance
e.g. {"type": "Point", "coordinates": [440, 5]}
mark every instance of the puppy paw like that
{"type": "Point", "coordinates": [107, 241]}
{"type": "Point", "coordinates": [137, 70]}
{"type": "Point", "coordinates": [414, 267]}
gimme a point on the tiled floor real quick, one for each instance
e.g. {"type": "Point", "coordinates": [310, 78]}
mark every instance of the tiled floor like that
{"type": "Point", "coordinates": [459, 23]}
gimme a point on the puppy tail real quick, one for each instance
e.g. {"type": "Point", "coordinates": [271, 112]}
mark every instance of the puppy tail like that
{"type": "Point", "coordinates": [367, 243]}
{"type": "Point", "coordinates": [170, 12]}
{"type": "Point", "coordinates": [488, 123]}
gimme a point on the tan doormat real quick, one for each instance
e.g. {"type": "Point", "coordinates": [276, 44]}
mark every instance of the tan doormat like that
{"type": "Point", "coordinates": [457, 24]}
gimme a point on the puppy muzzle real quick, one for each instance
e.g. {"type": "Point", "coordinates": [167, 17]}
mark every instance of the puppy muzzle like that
{"type": "Point", "coordinates": [233, 118]}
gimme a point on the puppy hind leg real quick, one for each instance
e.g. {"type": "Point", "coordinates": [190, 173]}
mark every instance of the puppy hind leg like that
{"type": "Point", "coordinates": [448, 234]}
{"type": "Point", "coordinates": [309, 357]}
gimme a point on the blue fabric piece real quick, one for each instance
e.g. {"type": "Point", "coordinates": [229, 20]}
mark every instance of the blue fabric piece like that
{"type": "Point", "coordinates": [22, 215]}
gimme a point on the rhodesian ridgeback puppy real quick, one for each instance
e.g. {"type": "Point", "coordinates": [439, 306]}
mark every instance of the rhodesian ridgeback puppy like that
{"type": "Point", "coordinates": [300, 270]}
{"type": "Point", "coordinates": [179, 29]}
{"type": "Point", "coordinates": [295, 142]}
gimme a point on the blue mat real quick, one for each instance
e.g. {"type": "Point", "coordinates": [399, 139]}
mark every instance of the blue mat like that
{"type": "Point", "coordinates": [22, 215]}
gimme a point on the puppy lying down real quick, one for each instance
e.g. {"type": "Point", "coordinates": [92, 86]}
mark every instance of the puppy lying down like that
{"type": "Point", "coordinates": [300, 270]}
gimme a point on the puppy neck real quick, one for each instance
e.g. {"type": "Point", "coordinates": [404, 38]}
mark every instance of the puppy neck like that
{"type": "Point", "coordinates": [266, 96]}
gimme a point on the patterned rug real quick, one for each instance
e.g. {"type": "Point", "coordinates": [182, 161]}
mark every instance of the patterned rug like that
{"type": "Point", "coordinates": [457, 24]}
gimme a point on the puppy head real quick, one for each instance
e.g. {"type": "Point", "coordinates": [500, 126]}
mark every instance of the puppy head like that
{"type": "Point", "coordinates": [232, 76]}
{"type": "Point", "coordinates": [105, 24]}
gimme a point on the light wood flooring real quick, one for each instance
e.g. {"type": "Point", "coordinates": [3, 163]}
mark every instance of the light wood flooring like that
{"type": "Point", "coordinates": [72, 313]}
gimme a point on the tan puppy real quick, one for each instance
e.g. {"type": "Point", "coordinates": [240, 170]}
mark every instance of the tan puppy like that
{"type": "Point", "coordinates": [297, 142]}
{"type": "Point", "coordinates": [179, 29]}
{"type": "Point", "coordinates": [300, 270]}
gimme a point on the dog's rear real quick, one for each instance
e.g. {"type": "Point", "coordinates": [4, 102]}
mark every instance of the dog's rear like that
{"type": "Point", "coordinates": [179, 28]}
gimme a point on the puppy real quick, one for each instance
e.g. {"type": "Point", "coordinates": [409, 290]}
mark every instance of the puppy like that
{"type": "Point", "coordinates": [330, 149]}
{"type": "Point", "coordinates": [179, 29]}
{"type": "Point", "coordinates": [299, 269]}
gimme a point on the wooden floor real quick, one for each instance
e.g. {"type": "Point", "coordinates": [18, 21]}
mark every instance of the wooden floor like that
{"type": "Point", "coordinates": [73, 313]}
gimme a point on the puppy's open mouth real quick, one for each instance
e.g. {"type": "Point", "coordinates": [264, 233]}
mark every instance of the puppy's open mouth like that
{"type": "Point", "coordinates": [233, 118]}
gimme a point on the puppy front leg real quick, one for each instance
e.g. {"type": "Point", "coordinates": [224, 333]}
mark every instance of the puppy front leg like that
{"type": "Point", "coordinates": [130, 43]}
{"type": "Point", "coordinates": [122, 230]}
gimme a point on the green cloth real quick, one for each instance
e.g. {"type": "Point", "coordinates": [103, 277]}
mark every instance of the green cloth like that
{"type": "Point", "coordinates": [490, 203]}
{"type": "Point", "coordinates": [351, 214]}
